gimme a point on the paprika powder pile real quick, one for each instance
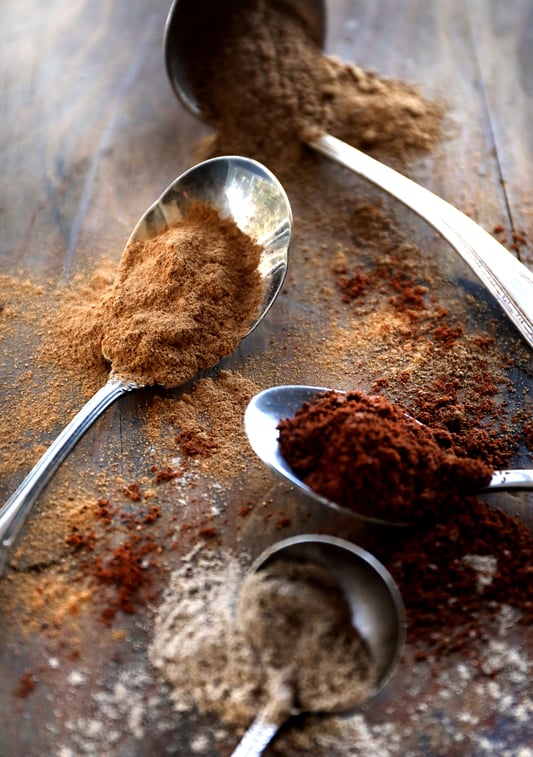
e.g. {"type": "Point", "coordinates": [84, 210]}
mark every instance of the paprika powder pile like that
{"type": "Point", "coordinates": [366, 454]}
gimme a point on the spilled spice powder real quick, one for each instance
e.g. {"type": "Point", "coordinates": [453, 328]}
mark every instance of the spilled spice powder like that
{"type": "Point", "coordinates": [123, 570]}
{"type": "Point", "coordinates": [284, 90]}
{"type": "Point", "coordinates": [26, 684]}
{"type": "Point", "coordinates": [225, 641]}
{"type": "Point", "coordinates": [405, 336]}
{"type": "Point", "coordinates": [204, 425]}
{"type": "Point", "coordinates": [438, 572]}
{"type": "Point", "coordinates": [121, 574]}
{"type": "Point", "coordinates": [367, 455]}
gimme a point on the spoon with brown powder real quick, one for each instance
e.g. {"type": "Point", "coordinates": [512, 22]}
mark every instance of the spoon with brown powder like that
{"type": "Point", "coordinates": [363, 455]}
{"type": "Point", "coordinates": [292, 81]}
{"type": "Point", "coordinates": [326, 622]}
{"type": "Point", "coordinates": [200, 270]}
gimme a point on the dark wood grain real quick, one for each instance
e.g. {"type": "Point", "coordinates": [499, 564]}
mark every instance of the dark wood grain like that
{"type": "Point", "coordinates": [90, 134]}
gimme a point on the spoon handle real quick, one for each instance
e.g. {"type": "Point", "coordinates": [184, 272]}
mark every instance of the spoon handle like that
{"type": "Point", "coordinates": [17, 508]}
{"type": "Point", "coordinates": [508, 280]}
{"type": "Point", "coordinates": [256, 738]}
{"type": "Point", "coordinates": [511, 479]}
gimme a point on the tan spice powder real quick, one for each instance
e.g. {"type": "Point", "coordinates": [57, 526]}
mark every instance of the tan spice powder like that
{"type": "Point", "coordinates": [283, 89]}
{"type": "Point", "coordinates": [204, 425]}
{"type": "Point", "coordinates": [180, 301]}
{"type": "Point", "coordinates": [299, 622]}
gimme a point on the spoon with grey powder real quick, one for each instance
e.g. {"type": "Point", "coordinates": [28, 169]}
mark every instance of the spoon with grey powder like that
{"type": "Point", "coordinates": [194, 31]}
{"type": "Point", "coordinates": [246, 198]}
{"type": "Point", "coordinates": [326, 622]}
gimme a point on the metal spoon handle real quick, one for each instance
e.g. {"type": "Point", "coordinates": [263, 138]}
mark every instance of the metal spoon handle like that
{"type": "Point", "coordinates": [511, 479]}
{"type": "Point", "coordinates": [17, 508]}
{"type": "Point", "coordinates": [508, 280]}
{"type": "Point", "coordinates": [256, 738]}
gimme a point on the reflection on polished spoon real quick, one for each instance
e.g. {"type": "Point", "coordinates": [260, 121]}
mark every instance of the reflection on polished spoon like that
{"type": "Point", "coordinates": [269, 407]}
{"type": "Point", "coordinates": [376, 608]}
{"type": "Point", "coordinates": [240, 189]}
{"type": "Point", "coordinates": [508, 280]}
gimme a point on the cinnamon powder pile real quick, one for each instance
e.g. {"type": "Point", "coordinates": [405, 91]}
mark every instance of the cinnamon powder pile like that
{"type": "Point", "coordinates": [365, 454]}
{"type": "Point", "coordinates": [181, 301]}
{"type": "Point", "coordinates": [177, 304]}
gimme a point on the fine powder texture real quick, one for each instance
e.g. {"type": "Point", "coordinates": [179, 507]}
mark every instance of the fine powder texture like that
{"type": "Point", "coordinates": [367, 455]}
{"type": "Point", "coordinates": [224, 644]}
{"type": "Point", "coordinates": [179, 302]}
{"type": "Point", "coordinates": [197, 646]}
{"type": "Point", "coordinates": [182, 300]}
{"type": "Point", "coordinates": [299, 622]}
{"type": "Point", "coordinates": [396, 340]}
{"type": "Point", "coordinates": [283, 90]}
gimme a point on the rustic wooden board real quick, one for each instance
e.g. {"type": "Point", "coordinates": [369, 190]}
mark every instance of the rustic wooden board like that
{"type": "Point", "coordinates": [90, 134]}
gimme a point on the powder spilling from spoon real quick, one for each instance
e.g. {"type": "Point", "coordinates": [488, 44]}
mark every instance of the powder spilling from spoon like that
{"type": "Point", "coordinates": [180, 301]}
{"type": "Point", "coordinates": [261, 80]}
{"type": "Point", "coordinates": [231, 643]}
{"type": "Point", "coordinates": [365, 454]}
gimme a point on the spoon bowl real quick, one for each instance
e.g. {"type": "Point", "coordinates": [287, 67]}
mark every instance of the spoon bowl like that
{"type": "Point", "coordinates": [186, 24]}
{"type": "Point", "coordinates": [269, 407]}
{"type": "Point", "coordinates": [240, 189]}
{"type": "Point", "coordinates": [505, 277]}
{"type": "Point", "coordinates": [376, 608]}
{"type": "Point", "coordinates": [243, 190]}
{"type": "Point", "coordinates": [261, 419]}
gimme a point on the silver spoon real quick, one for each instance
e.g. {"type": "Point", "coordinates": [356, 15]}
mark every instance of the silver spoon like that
{"type": "Point", "coordinates": [508, 280]}
{"type": "Point", "coordinates": [239, 188]}
{"type": "Point", "coordinates": [377, 613]}
{"type": "Point", "coordinates": [268, 408]}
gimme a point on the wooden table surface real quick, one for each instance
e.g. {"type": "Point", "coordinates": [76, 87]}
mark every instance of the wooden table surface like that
{"type": "Point", "coordinates": [90, 134]}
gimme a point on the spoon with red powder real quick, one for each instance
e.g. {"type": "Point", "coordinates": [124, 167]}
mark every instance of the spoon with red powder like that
{"type": "Point", "coordinates": [363, 455]}
{"type": "Point", "coordinates": [207, 46]}
{"type": "Point", "coordinates": [200, 317]}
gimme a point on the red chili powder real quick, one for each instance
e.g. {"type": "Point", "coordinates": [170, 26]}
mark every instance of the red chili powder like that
{"type": "Point", "coordinates": [26, 685]}
{"type": "Point", "coordinates": [446, 609]}
{"type": "Point", "coordinates": [528, 435]}
{"type": "Point", "coordinates": [443, 406]}
{"type": "Point", "coordinates": [367, 455]}
{"type": "Point", "coordinates": [124, 571]}
{"type": "Point", "coordinates": [166, 473]}
{"type": "Point", "coordinates": [196, 443]}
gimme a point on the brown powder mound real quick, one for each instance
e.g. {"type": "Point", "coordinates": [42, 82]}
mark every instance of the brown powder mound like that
{"type": "Point", "coordinates": [366, 455]}
{"type": "Point", "coordinates": [265, 86]}
{"type": "Point", "coordinates": [439, 574]}
{"type": "Point", "coordinates": [179, 303]}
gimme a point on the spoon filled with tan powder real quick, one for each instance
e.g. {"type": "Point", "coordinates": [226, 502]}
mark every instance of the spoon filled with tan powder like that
{"type": "Point", "coordinates": [326, 622]}
{"type": "Point", "coordinates": [200, 270]}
